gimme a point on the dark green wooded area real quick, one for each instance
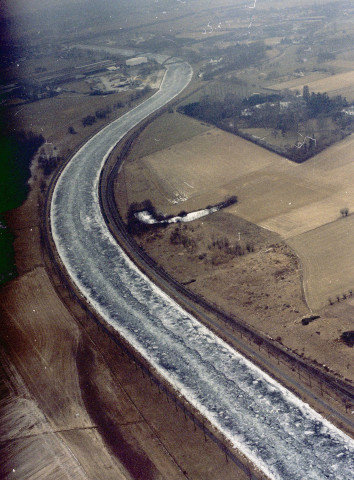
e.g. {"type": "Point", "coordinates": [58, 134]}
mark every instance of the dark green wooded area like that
{"type": "Point", "coordinates": [16, 152]}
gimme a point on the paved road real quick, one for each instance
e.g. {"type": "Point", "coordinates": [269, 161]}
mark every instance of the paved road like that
{"type": "Point", "coordinates": [283, 436]}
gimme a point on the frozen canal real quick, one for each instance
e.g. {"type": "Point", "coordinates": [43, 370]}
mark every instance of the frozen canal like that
{"type": "Point", "coordinates": [282, 435]}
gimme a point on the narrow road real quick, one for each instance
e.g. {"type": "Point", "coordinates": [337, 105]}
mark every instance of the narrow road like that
{"type": "Point", "coordinates": [278, 432]}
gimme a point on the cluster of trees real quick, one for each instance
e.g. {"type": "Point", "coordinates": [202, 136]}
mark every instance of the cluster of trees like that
{"type": "Point", "coordinates": [213, 111]}
{"type": "Point", "coordinates": [325, 56]}
{"type": "Point", "coordinates": [136, 227]}
{"type": "Point", "coordinates": [227, 114]}
{"type": "Point", "coordinates": [339, 297]}
{"type": "Point", "coordinates": [273, 116]}
{"type": "Point", "coordinates": [304, 151]}
{"type": "Point", "coordinates": [32, 91]}
{"type": "Point", "coordinates": [118, 105]}
{"type": "Point", "coordinates": [282, 113]}
{"type": "Point", "coordinates": [344, 211]}
{"type": "Point", "coordinates": [139, 93]}
{"type": "Point", "coordinates": [100, 114]}
{"type": "Point", "coordinates": [236, 249]}
{"type": "Point", "coordinates": [225, 203]}
{"type": "Point", "coordinates": [88, 120]}
{"type": "Point", "coordinates": [48, 163]}
{"type": "Point", "coordinates": [320, 103]}
{"type": "Point", "coordinates": [266, 110]}
{"type": "Point", "coordinates": [348, 338]}
{"type": "Point", "coordinates": [103, 112]}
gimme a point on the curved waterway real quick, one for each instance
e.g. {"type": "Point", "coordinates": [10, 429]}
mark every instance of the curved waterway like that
{"type": "Point", "coordinates": [278, 432]}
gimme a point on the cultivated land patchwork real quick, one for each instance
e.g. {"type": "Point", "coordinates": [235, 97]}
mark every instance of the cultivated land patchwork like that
{"type": "Point", "coordinates": [275, 193]}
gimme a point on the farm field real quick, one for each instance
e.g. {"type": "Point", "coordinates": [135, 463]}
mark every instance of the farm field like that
{"type": "Point", "coordinates": [340, 84]}
{"type": "Point", "coordinates": [333, 169]}
{"type": "Point", "coordinates": [183, 173]}
{"type": "Point", "coordinates": [298, 82]}
{"type": "Point", "coordinates": [274, 193]}
{"type": "Point", "coordinates": [327, 256]}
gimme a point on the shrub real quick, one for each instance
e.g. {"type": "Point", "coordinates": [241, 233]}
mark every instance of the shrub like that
{"type": "Point", "coordinates": [344, 211]}
{"type": "Point", "coordinates": [249, 247]}
{"type": "Point", "coordinates": [103, 112]}
{"type": "Point", "coordinates": [311, 318]}
{"type": "Point", "coordinates": [183, 213]}
{"type": "Point", "coordinates": [119, 104]}
{"type": "Point", "coordinates": [348, 338]}
{"type": "Point", "coordinates": [89, 120]}
{"type": "Point", "coordinates": [134, 225]}
{"type": "Point", "coordinates": [48, 164]}
{"type": "Point", "coordinates": [179, 238]}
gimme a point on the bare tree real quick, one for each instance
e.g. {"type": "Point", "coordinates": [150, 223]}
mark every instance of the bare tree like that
{"type": "Point", "coordinates": [344, 211]}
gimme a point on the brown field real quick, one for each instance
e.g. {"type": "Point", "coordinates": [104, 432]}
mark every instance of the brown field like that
{"type": "Point", "coordinates": [202, 34]}
{"type": "Point", "coordinates": [327, 256]}
{"type": "Point", "coordinates": [272, 41]}
{"type": "Point", "coordinates": [264, 287]}
{"type": "Point", "coordinates": [340, 84]}
{"type": "Point", "coordinates": [343, 64]}
{"type": "Point", "coordinates": [276, 194]}
{"type": "Point", "coordinates": [180, 176]}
